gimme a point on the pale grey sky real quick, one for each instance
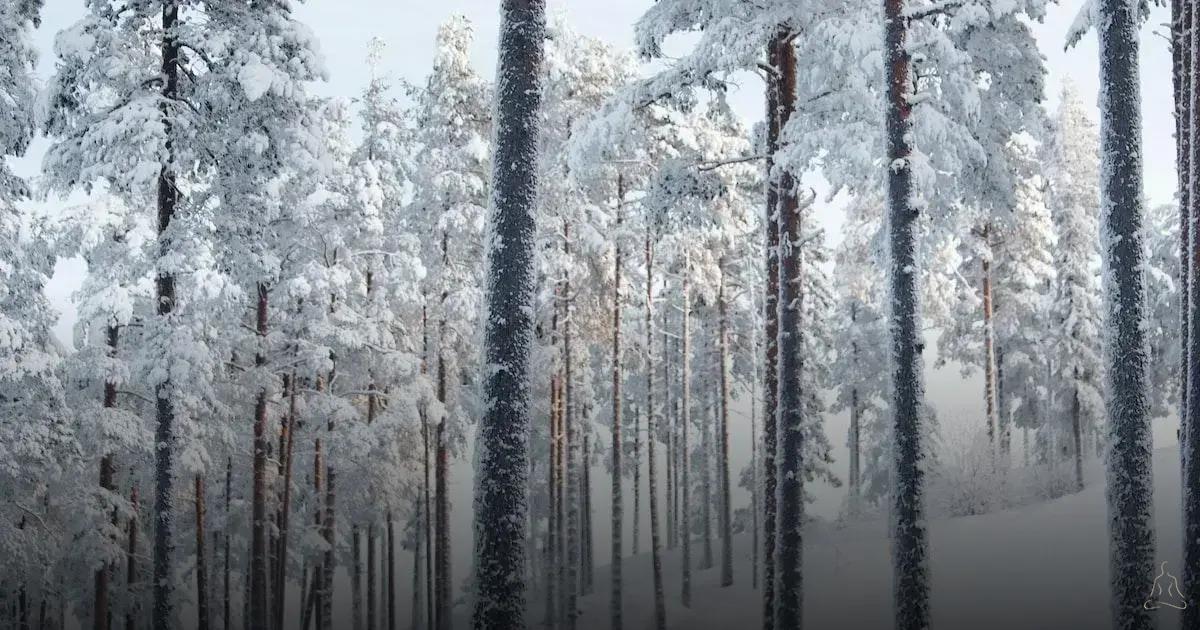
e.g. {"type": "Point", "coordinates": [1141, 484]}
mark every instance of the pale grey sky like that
{"type": "Point", "coordinates": [345, 26]}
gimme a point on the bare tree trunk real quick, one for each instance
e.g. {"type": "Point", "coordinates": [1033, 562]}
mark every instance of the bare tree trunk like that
{"type": "Point", "coordinates": [442, 582]}
{"type": "Point", "coordinates": [771, 326]}
{"type": "Point", "coordinates": [552, 561]}
{"type": "Point", "coordinates": [285, 508]}
{"type": "Point", "coordinates": [390, 573]}
{"type": "Point", "coordinates": [501, 499]}
{"type": "Point", "coordinates": [660, 611]}
{"type": "Point", "coordinates": [442, 603]}
{"type": "Point", "coordinates": [755, 501]}
{"type": "Point", "coordinates": [685, 420]}
{"type": "Point", "coordinates": [615, 596]}
{"type": "Point", "coordinates": [372, 578]}
{"type": "Point", "coordinates": [726, 492]}
{"type": "Point", "coordinates": [669, 420]}
{"type": "Point", "coordinates": [417, 579]}
{"type": "Point", "coordinates": [706, 464]}
{"type": "Point", "coordinates": [910, 537]}
{"type": "Point", "coordinates": [356, 576]}
{"type": "Point", "coordinates": [1077, 437]}
{"type": "Point", "coordinates": [561, 551]}
{"type": "Point", "coordinates": [588, 561]}
{"type": "Point", "coordinates": [225, 551]}
{"type": "Point", "coordinates": [637, 482]}
{"type": "Point", "coordinates": [572, 467]}
{"type": "Point", "coordinates": [327, 564]}
{"type": "Point", "coordinates": [855, 475]}
{"type": "Point", "coordinates": [101, 613]}
{"type": "Point", "coordinates": [201, 559]}
{"type": "Point", "coordinates": [132, 608]}
{"type": "Point", "coordinates": [164, 438]}
{"type": "Point", "coordinates": [989, 346]}
{"type": "Point", "coordinates": [313, 603]}
{"type": "Point", "coordinates": [259, 597]}
{"type": "Point", "coordinates": [430, 569]}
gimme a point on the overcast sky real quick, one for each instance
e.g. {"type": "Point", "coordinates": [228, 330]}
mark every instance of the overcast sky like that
{"type": "Point", "coordinates": [408, 26]}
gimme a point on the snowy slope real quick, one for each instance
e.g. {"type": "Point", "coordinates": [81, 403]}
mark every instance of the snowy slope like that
{"type": "Point", "coordinates": [1038, 567]}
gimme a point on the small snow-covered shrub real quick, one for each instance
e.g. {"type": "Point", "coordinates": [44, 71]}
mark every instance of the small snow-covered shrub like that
{"type": "Point", "coordinates": [967, 480]}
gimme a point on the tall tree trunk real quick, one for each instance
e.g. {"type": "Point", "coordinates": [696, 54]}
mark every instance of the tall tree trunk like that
{"type": "Point", "coordinates": [329, 529]}
{"type": "Point", "coordinates": [202, 612]}
{"type": "Point", "coordinates": [723, 427]}
{"type": "Point", "coordinates": [561, 551]}
{"type": "Point", "coordinates": [910, 537]}
{"type": "Point", "coordinates": [164, 435]}
{"type": "Point", "coordinates": [430, 589]}
{"type": "Point", "coordinates": [637, 483]}
{"type": "Point", "coordinates": [791, 397]}
{"type": "Point", "coordinates": [989, 346]}
{"type": "Point", "coordinates": [312, 603]}
{"type": "Point", "coordinates": [101, 613]}
{"type": "Point", "coordinates": [132, 609]}
{"type": "Point", "coordinates": [372, 578]}
{"type": "Point", "coordinates": [1130, 487]}
{"type": "Point", "coordinates": [501, 500]}
{"type": "Point", "coordinates": [669, 423]}
{"type": "Point", "coordinates": [225, 551]}
{"type": "Point", "coordinates": [417, 579]}
{"type": "Point", "coordinates": [660, 609]}
{"type": "Point", "coordinates": [259, 597]}
{"type": "Point", "coordinates": [706, 456]}
{"type": "Point", "coordinates": [390, 573]}
{"type": "Point", "coordinates": [588, 561]}
{"type": "Point", "coordinates": [552, 560]}
{"type": "Point", "coordinates": [685, 420]}
{"type": "Point", "coordinates": [1077, 436]}
{"type": "Point", "coordinates": [571, 559]}
{"type": "Point", "coordinates": [1181, 57]}
{"type": "Point", "coordinates": [771, 330]}
{"type": "Point", "coordinates": [285, 505]}
{"type": "Point", "coordinates": [356, 577]}
{"type": "Point", "coordinates": [855, 475]}
{"type": "Point", "coordinates": [1189, 142]}
{"type": "Point", "coordinates": [442, 552]}
{"type": "Point", "coordinates": [614, 602]}
{"type": "Point", "coordinates": [755, 499]}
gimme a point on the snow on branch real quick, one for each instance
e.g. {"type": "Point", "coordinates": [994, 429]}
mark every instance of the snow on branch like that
{"type": "Point", "coordinates": [1087, 18]}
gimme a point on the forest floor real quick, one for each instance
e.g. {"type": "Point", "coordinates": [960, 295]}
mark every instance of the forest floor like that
{"type": "Point", "coordinates": [1041, 566]}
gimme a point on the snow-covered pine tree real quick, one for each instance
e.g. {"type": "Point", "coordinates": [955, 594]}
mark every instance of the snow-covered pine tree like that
{"type": "Point", "coordinates": [860, 363]}
{"type": "Point", "coordinates": [453, 123]}
{"type": "Point", "coordinates": [139, 151]}
{"type": "Point", "coordinates": [33, 429]}
{"type": "Point", "coordinates": [1072, 178]}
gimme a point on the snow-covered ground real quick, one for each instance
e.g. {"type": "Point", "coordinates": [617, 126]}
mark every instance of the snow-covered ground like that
{"type": "Point", "coordinates": [1042, 566]}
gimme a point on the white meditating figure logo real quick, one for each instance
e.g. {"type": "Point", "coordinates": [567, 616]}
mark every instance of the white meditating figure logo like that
{"type": "Point", "coordinates": [1165, 592]}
